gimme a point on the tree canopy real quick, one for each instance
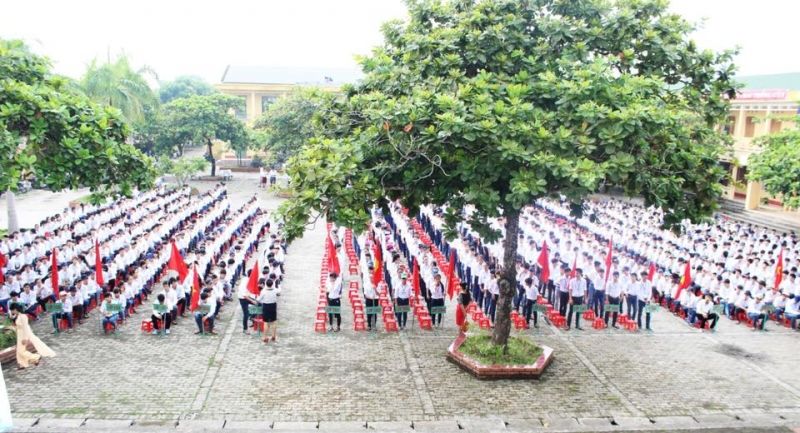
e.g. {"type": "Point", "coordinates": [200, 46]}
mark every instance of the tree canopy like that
{"type": "Point", "coordinates": [50, 131]}
{"type": "Point", "coordinates": [777, 166]}
{"type": "Point", "coordinates": [183, 87]}
{"type": "Point", "coordinates": [203, 119]}
{"type": "Point", "coordinates": [496, 103]}
{"type": "Point", "coordinates": [288, 123]}
{"type": "Point", "coordinates": [119, 85]}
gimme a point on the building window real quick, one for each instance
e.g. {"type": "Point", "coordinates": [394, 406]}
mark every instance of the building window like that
{"type": "Point", "coordinates": [749, 126]}
{"type": "Point", "coordinates": [741, 174]}
{"type": "Point", "coordinates": [728, 127]}
{"type": "Point", "coordinates": [241, 108]}
{"type": "Point", "coordinates": [775, 126]}
{"type": "Point", "coordinates": [266, 101]}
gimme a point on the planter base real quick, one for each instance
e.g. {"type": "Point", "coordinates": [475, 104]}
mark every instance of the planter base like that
{"type": "Point", "coordinates": [493, 372]}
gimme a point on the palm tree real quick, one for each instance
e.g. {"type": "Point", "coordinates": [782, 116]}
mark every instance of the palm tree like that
{"type": "Point", "coordinates": [118, 85]}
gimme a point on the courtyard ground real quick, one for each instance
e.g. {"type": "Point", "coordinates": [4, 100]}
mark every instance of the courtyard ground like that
{"type": "Point", "coordinates": [672, 378]}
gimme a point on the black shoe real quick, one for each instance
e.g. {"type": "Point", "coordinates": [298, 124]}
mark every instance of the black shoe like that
{"type": "Point", "coordinates": [579, 328]}
{"type": "Point", "coordinates": [615, 326]}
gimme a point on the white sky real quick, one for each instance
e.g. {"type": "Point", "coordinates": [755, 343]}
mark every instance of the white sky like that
{"type": "Point", "coordinates": [180, 37]}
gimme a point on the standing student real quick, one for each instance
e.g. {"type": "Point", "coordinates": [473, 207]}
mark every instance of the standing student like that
{"type": "Point", "coordinates": [464, 300]}
{"type": "Point", "coordinates": [269, 310]}
{"type": "Point", "coordinates": [494, 294]}
{"type": "Point", "coordinates": [563, 291]}
{"type": "Point", "coordinates": [599, 298]}
{"type": "Point", "coordinates": [437, 298]}
{"type": "Point", "coordinates": [402, 294]}
{"type": "Point", "coordinates": [246, 299]}
{"type": "Point", "coordinates": [614, 292]}
{"type": "Point", "coordinates": [530, 286]}
{"type": "Point", "coordinates": [577, 291]}
{"type": "Point", "coordinates": [371, 300]}
{"type": "Point", "coordinates": [643, 296]}
{"type": "Point", "coordinates": [631, 291]}
{"type": "Point", "coordinates": [334, 292]}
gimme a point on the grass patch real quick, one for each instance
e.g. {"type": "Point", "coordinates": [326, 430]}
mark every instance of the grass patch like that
{"type": "Point", "coordinates": [521, 351]}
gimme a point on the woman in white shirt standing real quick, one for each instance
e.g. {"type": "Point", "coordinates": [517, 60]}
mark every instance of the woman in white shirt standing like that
{"type": "Point", "coordinates": [269, 310]}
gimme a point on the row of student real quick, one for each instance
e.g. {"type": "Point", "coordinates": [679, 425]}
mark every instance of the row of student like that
{"type": "Point", "coordinates": [131, 282]}
{"type": "Point", "coordinates": [73, 263]}
{"type": "Point", "coordinates": [30, 246]}
{"type": "Point", "coordinates": [207, 213]}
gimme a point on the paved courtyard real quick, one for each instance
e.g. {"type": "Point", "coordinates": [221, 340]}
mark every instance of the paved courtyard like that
{"type": "Point", "coordinates": [673, 378]}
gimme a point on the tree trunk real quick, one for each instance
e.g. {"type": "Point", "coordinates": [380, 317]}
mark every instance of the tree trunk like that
{"type": "Point", "coordinates": [508, 283]}
{"type": "Point", "coordinates": [11, 205]}
{"type": "Point", "coordinates": [211, 158]}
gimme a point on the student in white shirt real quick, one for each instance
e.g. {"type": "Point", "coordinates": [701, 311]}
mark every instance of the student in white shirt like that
{"type": "Point", "coordinates": [401, 296]}
{"type": "Point", "coordinates": [108, 316]}
{"type": "Point", "coordinates": [530, 286]}
{"type": "Point", "coordinates": [705, 314]}
{"type": "Point", "coordinates": [206, 298]}
{"type": "Point", "coordinates": [66, 311]}
{"type": "Point", "coordinates": [436, 293]}
{"type": "Point", "coordinates": [334, 292]}
{"type": "Point", "coordinates": [246, 299]}
{"type": "Point", "coordinates": [577, 292]}
{"type": "Point", "coordinates": [645, 292]}
{"type": "Point", "coordinates": [268, 297]}
{"type": "Point", "coordinates": [755, 311]}
{"type": "Point", "coordinates": [158, 317]}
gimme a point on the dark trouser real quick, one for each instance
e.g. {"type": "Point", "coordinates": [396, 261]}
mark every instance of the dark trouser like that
{"type": "Point", "coordinates": [402, 318]}
{"type": "Point", "coordinates": [563, 299]}
{"type": "Point", "coordinates": [599, 302]}
{"type": "Point", "coordinates": [639, 316]}
{"type": "Point", "coordinates": [372, 319]}
{"type": "Point", "coordinates": [111, 319]}
{"type": "Point", "coordinates": [199, 317]}
{"type": "Point", "coordinates": [704, 318]}
{"type": "Point", "coordinates": [335, 303]}
{"type": "Point", "coordinates": [57, 316]}
{"type": "Point", "coordinates": [612, 300]}
{"type": "Point", "coordinates": [756, 317]}
{"type": "Point", "coordinates": [182, 306]}
{"type": "Point", "coordinates": [632, 304]}
{"type": "Point", "coordinates": [550, 289]}
{"type": "Point", "coordinates": [519, 299]}
{"type": "Point", "coordinates": [437, 318]}
{"type": "Point", "coordinates": [576, 300]}
{"type": "Point", "coordinates": [792, 320]}
{"type": "Point", "coordinates": [167, 319]}
{"type": "Point", "coordinates": [492, 306]}
{"type": "Point", "coordinates": [528, 310]}
{"type": "Point", "coordinates": [77, 311]}
{"type": "Point", "coordinates": [245, 313]}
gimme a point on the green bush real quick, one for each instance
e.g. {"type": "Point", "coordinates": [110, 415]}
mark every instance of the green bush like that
{"type": "Point", "coordinates": [521, 351]}
{"type": "Point", "coordinates": [257, 162]}
{"type": "Point", "coordinates": [8, 337]}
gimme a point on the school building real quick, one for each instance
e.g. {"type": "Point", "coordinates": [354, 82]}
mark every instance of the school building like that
{"type": "Point", "coordinates": [766, 104]}
{"type": "Point", "coordinates": [259, 86]}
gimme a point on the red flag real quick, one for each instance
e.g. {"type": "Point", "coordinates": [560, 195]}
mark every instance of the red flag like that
{"type": "Point", "coordinates": [195, 300]}
{"type": "Point", "coordinates": [779, 270]}
{"type": "Point", "coordinates": [333, 259]}
{"type": "Point", "coordinates": [176, 262]}
{"type": "Point", "coordinates": [544, 263]}
{"type": "Point", "coordinates": [3, 262]}
{"type": "Point", "coordinates": [98, 264]}
{"type": "Point", "coordinates": [451, 278]}
{"type": "Point", "coordinates": [574, 272]}
{"type": "Point", "coordinates": [377, 257]}
{"type": "Point", "coordinates": [609, 258]}
{"type": "Point", "coordinates": [415, 278]}
{"type": "Point", "coordinates": [54, 272]}
{"type": "Point", "coordinates": [252, 281]}
{"type": "Point", "coordinates": [651, 273]}
{"type": "Point", "coordinates": [686, 279]}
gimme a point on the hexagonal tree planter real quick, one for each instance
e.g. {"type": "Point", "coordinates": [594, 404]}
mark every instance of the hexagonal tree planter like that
{"type": "Point", "coordinates": [492, 372]}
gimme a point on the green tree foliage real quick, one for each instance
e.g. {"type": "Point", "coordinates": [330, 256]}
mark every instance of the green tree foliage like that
{"type": "Point", "coordinates": [119, 85]}
{"type": "Point", "coordinates": [202, 119]}
{"type": "Point", "coordinates": [183, 169]}
{"type": "Point", "coordinates": [288, 123]}
{"type": "Point", "coordinates": [777, 166]}
{"type": "Point", "coordinates": [183, 87]}
{"type": "Point", "coordinates": [495, 103]}
{"type": "Point", "coordinates": [59, 136]}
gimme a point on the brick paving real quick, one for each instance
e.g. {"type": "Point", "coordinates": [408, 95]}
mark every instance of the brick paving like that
{"type": "Point", "coordinates": [675, 377]}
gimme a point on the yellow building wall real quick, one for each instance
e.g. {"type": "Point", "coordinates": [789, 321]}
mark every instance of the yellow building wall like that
{"type": "Point", "coordinates": [254, 94]}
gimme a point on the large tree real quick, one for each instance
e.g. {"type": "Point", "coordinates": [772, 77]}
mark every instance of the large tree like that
{"type": "Point", "coordinates": [288, 123]}
{"type": "Point", "coordinates": [121, 86]}
{"type": "Point", "coordinates": [50, 132]}
{"type": "Point", "coordinates": [203, 119]}
{"type": "Point", "coordinates": [496, 103]}
{"type": "Point", "coordinates": [777, 166]}
{"type": "Point", "coordinates": [183, 87]}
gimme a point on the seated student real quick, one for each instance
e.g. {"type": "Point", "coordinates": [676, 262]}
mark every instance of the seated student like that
{"type": "Point", "coordinates": [755, 311]}
{"type": "Point", "coordinates": [205, 299]}
{"type": "Point", "coordinates": [28, 299]}
{"type": "Point", "coordinates": [695, 295]}
{"type": "Point", "coordinates": [171, 300]}
{"type": "Point", "coordinates": [108, 316]}
{"type": "Point", "coordinates": [704, 312]}
{"type": "Point", "coordinates": [44, 292]}
{"type": "Point", "coordinates": [779, 302]}
{"type": "Point", "coordinates": [5, 295]}
{"type": "Point", "coordinates": [66, 307]}
{"type": "Point", "coordinates": [157, 317]}
{"type": "Point", "coordinates": [77, 303]}
{"type": "Point", "coordinates": [792, 311]}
